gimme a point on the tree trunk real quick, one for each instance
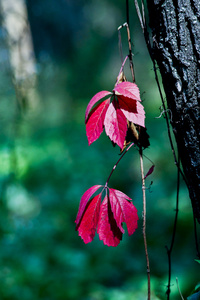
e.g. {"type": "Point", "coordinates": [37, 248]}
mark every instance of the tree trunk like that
{"type": "Point", "coordinates": [14, 18]}
{"type": "Point", "coordinates": [175, 28]}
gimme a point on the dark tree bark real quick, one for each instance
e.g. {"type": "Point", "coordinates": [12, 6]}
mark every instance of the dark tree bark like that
{"type": "Point", "coordinates": [175, 26]}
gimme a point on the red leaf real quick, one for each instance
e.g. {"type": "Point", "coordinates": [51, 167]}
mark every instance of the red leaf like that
{"type": "Point", "coordinates": [123, 210]}
{"type": "Point", "coordinates": [149, 172]}
{"type": "Point", "coordinates": [88, 224]}
{"type": "Point", "coordinates": [94, 100]}
{"type": "Point", "coordinates": [128, 89]}
{"type": "Point", "coordinates": [107, 217]}
{"type": "Point", "coordinates": [137, 119]}
{"type": "Point", "coordinates": [128, 104]}
{"type": "Point", "coordinates": [84, 199]}
{"type": "Point", "coordinates": [108, 230]}
{"type": "Point", "coordinates": [94, 124]}
{"type": "Point", "coordinates": [115, 124]}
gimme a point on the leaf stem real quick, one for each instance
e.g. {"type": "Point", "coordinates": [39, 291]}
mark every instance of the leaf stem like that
{"type": "Point", "coordinates": [130, 55]}
{"type": "Point", "coordinates": [144, 224]}
{"type": "Point", "coordinates": [122, 67]}
{"type": "Point", "coordinates": [125, 151]}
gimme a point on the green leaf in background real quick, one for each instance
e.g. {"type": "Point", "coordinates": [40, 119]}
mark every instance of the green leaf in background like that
{"type": "Point", "coordinates": [197, 260]}
{"type": "Point", "coordinates": [196, 293]}
{"type": "Point", "coordinates": [195, 296]}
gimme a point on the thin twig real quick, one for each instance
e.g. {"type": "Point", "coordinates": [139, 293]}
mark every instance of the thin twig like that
{"type": "Point", "coordinates": [125, 151]}
{"type": "Point", "coordinates": [164, 111]}
{"type": "Point", "coordinates": [169, 250]}
{"type": "Point", "coordinates": [196, 237]}
{"type": "Point", "coordinates": [121, 69]}
{"type": "Point", "coordinates": [130, 50]}
{"type": "Point", "coordinates": [179, 289]}
{"type": "Point", "coordinates": [120, 45]}
{"type": "Point", "coordinates": [143, 14]}
{"type": "Point", "coordinates": [168, 110]}
{"type": "Point", "coordinates": [139, 15]}
{"type": "Point", "coordinates": [127, 12]}
{"type": "Point", "coordinates": [144, 225]}
{"type": "Point", "coordinates": [142, 170]}
{"type": "Point", "coordinates": [130, 53]}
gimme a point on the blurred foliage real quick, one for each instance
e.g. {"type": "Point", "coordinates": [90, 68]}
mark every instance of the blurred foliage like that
{"type": "Point", "coordinates": [46, 165]}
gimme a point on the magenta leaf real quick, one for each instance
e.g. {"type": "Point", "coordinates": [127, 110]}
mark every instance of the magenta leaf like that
{"type": "Point", "coordinates": [128, 89]}
{"type": "Point", "coordinates": [95, 121]}
{"type": "Point", "coordinates": [89, 220]}
{"type": "Point", "coordinates": [128, 96]}
{"type": "Point", "coordinates": [94, 100]}
{"type": "Point", "coordinates": [137, 119]}
{"type": "Point", "coordinates": [115, 124]}
{"type": "Point", "coordinates": [107, 217]}
{"type": "Point", "coordinates": [150, 171]}
{"type": "Point", "coordinates": [140, 108]}
{"type": "Point", "coordinates": [84, 200]}
{"type": "Point", "coordinates": [123, 210]}
{"type": "Point", "coordinates": [108, 230]}
{"type": "Point", "coordinates": [128, 104]}
{"type": "Point", "coordinates": [125, 106]}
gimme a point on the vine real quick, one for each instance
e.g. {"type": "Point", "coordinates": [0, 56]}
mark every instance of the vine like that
{"type": "Point", "coordinates": [122, 115]}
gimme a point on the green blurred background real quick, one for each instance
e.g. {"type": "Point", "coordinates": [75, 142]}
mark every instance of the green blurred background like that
{"type": "Point", "coordinates": [46, 165]}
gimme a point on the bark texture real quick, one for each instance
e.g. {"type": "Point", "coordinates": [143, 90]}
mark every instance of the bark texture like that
{"type": "Point", "coordinates": [175, 26]}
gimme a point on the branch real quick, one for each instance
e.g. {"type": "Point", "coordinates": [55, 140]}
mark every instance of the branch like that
{"type": "Point", "coordinates": [144, 225]}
